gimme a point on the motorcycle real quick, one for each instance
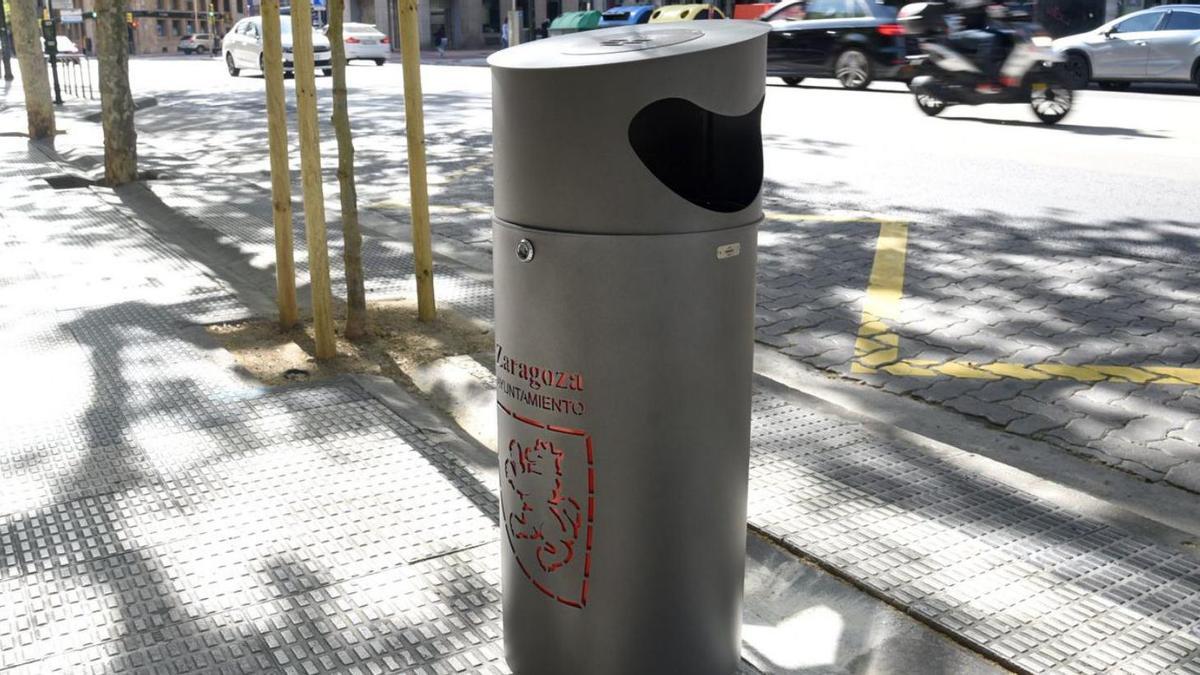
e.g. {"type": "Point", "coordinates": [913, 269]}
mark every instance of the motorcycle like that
{"type": "Point", "coordinates": [1031, 72]}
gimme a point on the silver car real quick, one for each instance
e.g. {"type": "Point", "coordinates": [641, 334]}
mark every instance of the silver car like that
{"type": "Point", "coordinates": [1160, 44]}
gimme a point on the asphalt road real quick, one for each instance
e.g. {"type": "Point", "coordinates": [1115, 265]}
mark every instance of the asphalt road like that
{"type": "Point", "coordinates": [1119, 174]}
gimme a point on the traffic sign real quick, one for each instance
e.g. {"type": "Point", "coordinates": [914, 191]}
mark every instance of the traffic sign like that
{"type": "Point", "coordinates": [71, 16]}
{"type": "Point", "coordinates": [62, 4]}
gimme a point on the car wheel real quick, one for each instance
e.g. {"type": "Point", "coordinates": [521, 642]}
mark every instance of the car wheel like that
{"type": "Point", "coordinates": [1078, 70]}
{"type": "Point", "coordinates": [233, 70]}
{"type": "Point", "coordinates": [1111, 85]}
{"type": "Point", "coordinates": [853, 69]}
{"type": "Point", "coordinates": [201, 50]}
{"type": "Point", "coordinates": [792, 81]}
{"type": "Point", "coordinates": [379, 62]}
{"type": "Point", "coordinates": [1196, 73]}
{"type": "Point", "coordinates": [327, 72]}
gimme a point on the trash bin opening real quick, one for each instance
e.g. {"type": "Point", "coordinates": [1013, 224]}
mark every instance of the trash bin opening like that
{"type": "Point", "coordinates": [714, 161]}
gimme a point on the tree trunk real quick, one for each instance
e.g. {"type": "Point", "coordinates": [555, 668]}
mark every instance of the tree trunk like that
{"type": "Point", "coordinates": [116, 100]}
{"type": "Point", "coordinates": [356, 298]}
{"type": "Point", "coordinates": [5, 44]}
{"type": "Point", "coordinates": [27, 33]}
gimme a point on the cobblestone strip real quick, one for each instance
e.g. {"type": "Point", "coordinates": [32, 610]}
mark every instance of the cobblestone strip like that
{"type": "Point", "coordinates": [1093, 354]}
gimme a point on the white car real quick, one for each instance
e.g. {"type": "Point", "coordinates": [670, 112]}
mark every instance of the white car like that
{"type": "Point", "coordinates": [64, 47]}
{"type": "Point", "coordinates": [1160, 44]}
{"type": "Point", "coordinates": [243, 46]}
{"type": "Point", "coordinates": [364, 41]}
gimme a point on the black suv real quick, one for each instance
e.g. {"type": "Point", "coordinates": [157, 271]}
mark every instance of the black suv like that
{"type": "Point", "coordinates": [856, 41]}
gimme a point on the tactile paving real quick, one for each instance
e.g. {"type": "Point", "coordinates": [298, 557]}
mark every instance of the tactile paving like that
{"type": "Point", "coordinates": [159, 513]}
{"type": "Point", "coordinates": [1043, 589]}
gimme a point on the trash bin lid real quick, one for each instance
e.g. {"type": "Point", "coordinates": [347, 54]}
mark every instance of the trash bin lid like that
{"type": "Point", "coordinates": [633, 43]}
{"type": "Point", "coordinates": [646, 129]}
{"type": "Point", "coordinates": [576, 21]}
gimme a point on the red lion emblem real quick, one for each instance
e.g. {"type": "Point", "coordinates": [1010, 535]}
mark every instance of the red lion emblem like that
{"type": "Point", "coordinates": [545, 515]}
{"type": "Point", "coordinates": [547, 497]}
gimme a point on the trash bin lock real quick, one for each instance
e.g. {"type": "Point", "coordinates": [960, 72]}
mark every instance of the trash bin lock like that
{"type": "Point", "coordinates": [628, 166]}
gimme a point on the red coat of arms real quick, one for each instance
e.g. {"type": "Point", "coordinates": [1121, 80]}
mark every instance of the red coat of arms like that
{"type": "Point", "coordinates": [547, 500]}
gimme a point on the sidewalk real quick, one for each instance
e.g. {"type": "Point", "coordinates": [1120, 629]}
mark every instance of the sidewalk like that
{"type": "Point", "coordinates": [259, 532]}
{"type": "Point", "coordinates": [159, 512]}
{"type": "Point", "coordinates": [1041, 577]}
{"type": "Point", "coordinates": [464, 57]}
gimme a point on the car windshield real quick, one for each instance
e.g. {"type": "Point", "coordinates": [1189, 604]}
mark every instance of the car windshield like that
{"type": "Point", "coordinates": [794, 12]}
{"type": "Point", "coordinates": [360, 28]}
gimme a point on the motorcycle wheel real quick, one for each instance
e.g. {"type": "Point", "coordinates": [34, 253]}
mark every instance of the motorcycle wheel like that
{"type": "Point", "coordinates": [930, 105]}
{"type": "Point", "coordinates": [1051, 101]}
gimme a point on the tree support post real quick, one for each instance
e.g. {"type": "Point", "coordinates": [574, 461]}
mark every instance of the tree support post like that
{"type": "Point", "coordinates": [310, 177]}
{"type": "Point", "coordinates": [281, 186]}
{"type": "Point", "coordinates": [414, 123]}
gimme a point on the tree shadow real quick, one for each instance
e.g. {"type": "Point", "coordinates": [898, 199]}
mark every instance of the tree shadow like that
{"type": "Point", "coordinates": [984, 288]}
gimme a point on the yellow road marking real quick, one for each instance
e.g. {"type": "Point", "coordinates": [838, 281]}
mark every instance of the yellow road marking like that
{"type": "Point", "coordinates": [964, 369]}
{"type": "Point", "coordinates": [1080, 373]}
{"type": "Point", "coordinates": [1015, 371]}
{"type": "Point", "coordinates": [877, 347]}
{"type": "Point", "coordinates": [1175, 375]}
{"type": "Point", "coordinates": [876, 344]}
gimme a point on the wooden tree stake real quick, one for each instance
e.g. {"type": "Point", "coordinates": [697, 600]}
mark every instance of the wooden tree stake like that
{"type": "Point", "coordinates": [310, 178]}
{"type": "Point", "coordinates": [414, 122]}
{"type": "Point", "coordinates": [281, 186]}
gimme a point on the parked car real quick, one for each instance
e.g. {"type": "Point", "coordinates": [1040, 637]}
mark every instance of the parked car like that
{"type": "Point", "coordinates": [364, 42]}
{"type": "Point", "coordinates": [626, 15]}
{"type": "Point", "coordinates": [64, 47]}
{"type": "Point", "coordinates": [671, 13]}
{"type": "Point", "coordinates": [856, 41]}
{"type": "Point", "coordinates": [198, 43]}
{"type": "Point", "coordinates": [1160, 44]}
{"type": "Point", "coordinates": [750, 9]}
{"type": "Point", "coordinates": [243, 47]}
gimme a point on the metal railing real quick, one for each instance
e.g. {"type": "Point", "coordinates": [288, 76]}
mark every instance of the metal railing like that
{"type": "Point", "coordinates": [76, 75]}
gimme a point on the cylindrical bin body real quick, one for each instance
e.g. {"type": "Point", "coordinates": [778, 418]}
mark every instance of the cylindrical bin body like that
{"type": "Point", "coordinates": [628, 171]}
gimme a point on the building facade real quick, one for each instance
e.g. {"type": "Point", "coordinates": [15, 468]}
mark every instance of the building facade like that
{"type": "Point", "coordinates": [469, 24]}
{"type": "Point", "coordinates": [157, 26]}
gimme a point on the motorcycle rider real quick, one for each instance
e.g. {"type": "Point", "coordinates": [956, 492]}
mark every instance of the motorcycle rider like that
{"type": "Point", "coordinates": [980, 40]}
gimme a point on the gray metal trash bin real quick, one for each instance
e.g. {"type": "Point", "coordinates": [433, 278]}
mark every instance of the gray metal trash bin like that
{"type": "Point", "coordinates": [628, 166]}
